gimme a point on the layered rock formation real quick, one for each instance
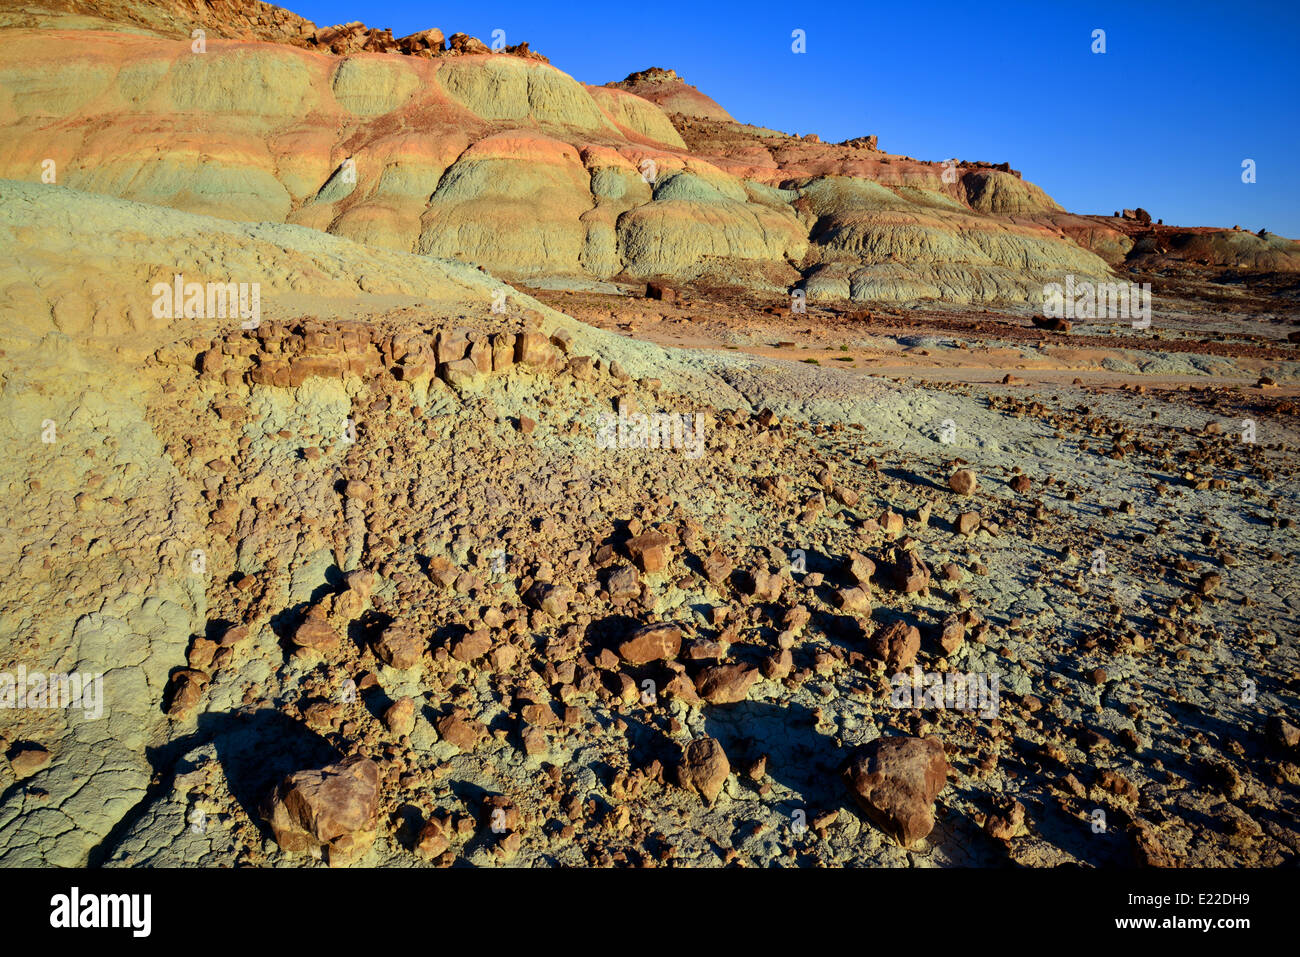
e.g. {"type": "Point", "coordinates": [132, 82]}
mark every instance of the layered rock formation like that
{"type": "Point", "coordinates": [506, 162]}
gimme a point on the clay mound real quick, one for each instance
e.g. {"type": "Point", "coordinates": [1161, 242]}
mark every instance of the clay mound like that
{"type": "Point", "coordinates": [514, 201]}
{"type": "Point", "coordinates": [701, 221]}
{"type": "Point", "coordinates": [497, 88]}
{"type": "Point", "coordinates": [1236, 249]}
{"type": "Point", "coordinates": [636, 116]}
{"type": "Point", "coordinates": [672, 94]}
{"type": "Point", "coordinates": [123, 249]}
{"type": "Point", "coordinates": [995, 191]}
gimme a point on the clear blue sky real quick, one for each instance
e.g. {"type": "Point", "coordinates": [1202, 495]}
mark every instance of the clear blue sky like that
{"type": "Point", "coordinates": [1185, 91]}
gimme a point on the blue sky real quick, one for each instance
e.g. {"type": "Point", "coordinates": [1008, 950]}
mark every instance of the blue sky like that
{"type": "Point", "coordinates": [1163, 119]}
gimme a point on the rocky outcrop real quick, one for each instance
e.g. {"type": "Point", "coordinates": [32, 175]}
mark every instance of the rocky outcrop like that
{"type": "Point", "coordinates": [671, 93]}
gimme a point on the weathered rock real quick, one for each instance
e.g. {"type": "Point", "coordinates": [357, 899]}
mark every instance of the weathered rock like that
{"type": "Point", "coordinates": [1282, 732]}
{"type": "Point", "coordinates": [549, 598]}
{"type": "Point", "coordinates": [1008, 824]}
{"type": "Point", "coordinates": [704, 768]}
{"type": "Point", "coordinates": [909, 573]}
{"type": "Point", "coordinates": [451, 346]}
{"type": "Point", "coordinates": [860, 568]}
{"type": "Point", "coordinates": [185, 691]}
{"type": "Point", "coordinates": [503, 351]}
{"type": "Point", "coordinates": [315, 631]}
{"type": "Point", "coordinates": [357, 490]}
{"type": "Point", "coordinates": [896, 644]}
{"type": "Point", "coordinates": [534, 349]}
{"type": "Point", "coordinates": [777, 666]}
{"type": "Point", "coordinates": [853, 599]}
{"type": "Point", "coordinates": [764, 585]}
{"type": "Point", "coordinates": [460, 729]}
{"type": "Point", "coordinates": [472, 646]}
{"type": "Point", "coordinates": [717, 567]}
{"type": "Point", "coordinates": [623, 582]}
{"type": "Point", "coordinates": [433, 840]}
{"type": "Point", "coordinates": [333, 811]}
{"type": "Point", "coordinates": [657, 290]}
{"type": "Point", "coordinates": [656, 642]}
{"type": "Point", "coordinates": [725, 684]}
{"type": "Point", "coordinates": [399, 718]}
{"type": "Point", "coordinates": [400, 645]}
{"type": "Point", "coordinates": [963, 482]}
{"type": "Point", "coordinates": [952, 633]}
{"type": "Point", "coordinates": [459, 372]}
{"type": "Point", "coordinates": [895, 781]}
{"type": "Point", "coordinates": [1052, 323]}
{"type": "Point", "coordinates": [650, 551]}
{"type": "Point", "coordinates": [464, 43]}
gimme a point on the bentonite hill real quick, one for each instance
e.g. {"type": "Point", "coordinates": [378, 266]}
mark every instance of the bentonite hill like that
{"type": "Point", "coordinates": [413, 455]}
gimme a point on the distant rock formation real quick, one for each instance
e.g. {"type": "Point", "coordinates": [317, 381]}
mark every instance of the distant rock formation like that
{"type": "Point", "coordinates": [507, 163]}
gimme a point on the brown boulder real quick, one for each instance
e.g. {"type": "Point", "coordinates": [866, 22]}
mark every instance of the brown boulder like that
{"type": "Point", "coordinates": [460, 729]}
{"type": "Point", "coordinates": [895, 781]}
{"type": "Point", "coordinates": [764, 585]}
{"type": "Point", "coordinates": [333, 811]}
{"type": "Point", "coordinates": [551, 599]}
{"type": "Point", "coordinates": [399, 718]}
{"type": "Point", "coordinates": [717, 567]}
{"type": "Point", "coordinates": [951, 634]}
{"type": "Point", "coordinates": [1052, 323]}
{"type": "Point", "coordinates": [860, 568]}
{"type": "Point", "coordinates": [658, 642]}
{"type": "Point", "coordinates": [316, 631]}
{"type": "Point", "coordinates": [535, 349]}
{"type": "Point", "coordinates": [661, 292]}
{"type": "Point", "coordinates": [725, 684]}
{"type": "Point", "coordinates": [963, 482]}
{"type": "Point", "coordinates": [854, 600]}
{"type": "Point", "coordinates": [896, 644]}
{"type": "Point", "coordinates": [623, 582]}
{"type": "Point", "coordinates": [464, 43]}
{"type": "Point", "coordinates": [400, 646]}
{"type": "Point", "coordinates": [433, 840]}
{"type": "Point", "coordinates": [650, 551]}
{"type": "Point", "coordinates": [704, 768]}
{"type": "Point", "coordinates": [187, 687]}
{"type": "Point", "coordinates": [910, 574]}
{"type": "Point", "coordinates": [459, 372]}
{"type": "Point", "coordinates": [503, 351]}
{"type": "Point", "coordinates": [472, 646]}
